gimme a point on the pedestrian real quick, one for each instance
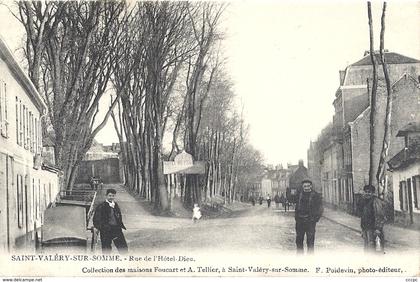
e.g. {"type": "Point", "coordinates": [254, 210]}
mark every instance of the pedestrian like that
{"type": "Point", "coordinates": [260, 200]}
{"type": "Point", "coordinates": [108, 220]}
{"type": "Point", "coordinates": [283, 200]}
{"type": "Point", "coordinates": [308, 211]}
{"type": "Point", "coordinates": [372, 220]}
{"type": "Point", "coordinates": [277, 200]}
{"type": "Point", "coordinates": [268, 200]}
{"type": "Point", "coordinates": [252, 200]}
{"type": "Point", "coordinates": [196, 213]}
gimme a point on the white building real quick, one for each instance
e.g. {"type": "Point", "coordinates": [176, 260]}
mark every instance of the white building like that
{"type": "Point", "coordinates": [405, 167]}
{"type": "Point", "coordinates": [26, 187]}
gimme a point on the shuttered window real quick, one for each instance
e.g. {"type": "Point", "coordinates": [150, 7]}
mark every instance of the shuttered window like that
{"type": "Point", "coordinates": [416, 190]}
{"type": "Point", "coordinates": [4, 123]}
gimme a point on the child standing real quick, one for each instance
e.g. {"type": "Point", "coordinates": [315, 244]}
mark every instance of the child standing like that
{"type": "Point", "coordinates": [196, 213]}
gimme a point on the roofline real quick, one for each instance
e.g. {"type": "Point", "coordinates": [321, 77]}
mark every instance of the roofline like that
{"type": "Point", "coordinates": [365, 111]}
{"type": "Point", "coordinates": [368, 55]}
{"type": "Point", "coordinates": [8, 57]}
{"type": "Point", "coordinates": [409, 76]}
{"type": "Point", "coordinates": [357, 86]}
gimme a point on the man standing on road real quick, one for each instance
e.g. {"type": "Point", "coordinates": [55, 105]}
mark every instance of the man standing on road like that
{"type": "Point", "coordinates": [308, 211]}
{"type": "Point", "coordinates": [277, 200]}
{"type": "Point", "coordinates": [108, 220]}
{"type": "Point", "coordinates": [372, 219]}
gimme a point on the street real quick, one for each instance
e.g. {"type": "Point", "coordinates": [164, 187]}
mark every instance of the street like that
{"type": "Point", "coordinates": [254, 229]}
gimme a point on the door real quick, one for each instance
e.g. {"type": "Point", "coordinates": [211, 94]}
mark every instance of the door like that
{"type": "Point", "coordinates": [410, 200]}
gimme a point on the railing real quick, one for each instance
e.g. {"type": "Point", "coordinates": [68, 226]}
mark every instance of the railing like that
{"type": "Point", "coordinates": [94, 234]}
{"type": "Point", "coordinates": [78, 195]}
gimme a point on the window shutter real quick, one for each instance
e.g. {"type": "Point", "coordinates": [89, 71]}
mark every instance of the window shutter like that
{"type": "Point", "coordinates": [6, 122]}
{"type": "Point", "coordinates": [401, 197]}
{"type": "Point", "coordinates": [414, 181]}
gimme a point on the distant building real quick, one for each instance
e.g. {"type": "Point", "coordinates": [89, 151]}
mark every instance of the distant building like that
{"type": "Point", "coordinates": [295, 181]}
{"type": "Point", "coordinates": [405, 167]}
{"type": "Point", "coordinates": [269, 182]}
{"type": "Point", "coordinates": [101, 161]}
{"type": "Point", "coordinates": [99, 151]}
{"type": "Point", "coordinates": [27, 185]}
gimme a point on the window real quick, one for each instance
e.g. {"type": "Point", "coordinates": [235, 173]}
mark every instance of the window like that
{"type": "Point", "coordinates": [19, 199]}
{"type": "Point", "coordinates": [403, 196]}
{"type": "Point", "coordinates": [24, 125]}
{"type": "Point", "coordinates": [416, 190]}
{"type": "Point", "coordinates": [4, 124]}
{"type": "Point", "coordinates": [39, 136]}
{"type": "Point", "coordinates": [33, 200]}
{"type": "Point", "coordinates": [20, 123]}
{"type": "Point", "coordinates": [30, 131]}
{"type": "Point", "coordinates": [28, 137]}
{"type": "Point", "coordinates": [49, 193]}
{"type": "Point", "coordinates": [33, 134]}
{"type": "Point", "coordinates": [17, 121]}
{"type": "Point", "coordinates": [38, 200]}
{"type": "Point", "coordinates": [36, 136]}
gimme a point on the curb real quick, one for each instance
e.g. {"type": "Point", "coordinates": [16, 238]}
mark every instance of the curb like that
{"type": "Point", "coordinates": [344, 225]}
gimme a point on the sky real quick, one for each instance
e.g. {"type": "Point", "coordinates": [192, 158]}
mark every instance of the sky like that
{"type": "Point", "coordinates": [284, 59]}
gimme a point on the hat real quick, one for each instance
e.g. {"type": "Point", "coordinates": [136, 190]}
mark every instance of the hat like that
{"type": "Point", "coordinates": [306, 180]}
{"type": "Point", "coordinates": [369, 188]}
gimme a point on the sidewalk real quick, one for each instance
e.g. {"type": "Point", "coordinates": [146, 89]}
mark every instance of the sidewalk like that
{"type": "Point", "coordinates": [395, 236]}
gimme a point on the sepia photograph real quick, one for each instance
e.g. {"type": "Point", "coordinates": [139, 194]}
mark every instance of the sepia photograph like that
{"type": "Point", "coordinates": [209, 139]}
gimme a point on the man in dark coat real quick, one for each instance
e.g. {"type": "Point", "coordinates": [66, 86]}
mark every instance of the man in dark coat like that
{"type": "Point", "coordinates": [372, 219]}
{"type": "Point", "coordinates": [108, 220]}
{"type": "Point", "coordinates": [277, 200]}
{"type": "Point", "coordinates": [308, 211]}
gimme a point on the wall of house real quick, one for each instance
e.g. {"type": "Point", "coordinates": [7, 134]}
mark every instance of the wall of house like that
{"type": "Point", "coordinates": [25, 192]}
{"type": "Point", "coordinates": [411, 172]}
{"type": "Point", "coordinates": [405, 108]}
{"type": "Point", "coordinates": [357, 75]}
{"type": "Point", "coordinates": [355, 101]}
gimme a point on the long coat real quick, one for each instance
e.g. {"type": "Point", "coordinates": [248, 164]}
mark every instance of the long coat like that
{"type": "Point", "coordinates": [315, 206]}
{"type": "Point", "coordinates": [102, 215]}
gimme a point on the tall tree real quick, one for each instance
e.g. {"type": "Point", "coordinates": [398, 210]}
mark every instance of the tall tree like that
{"type": "Point", "coordinates": [380, 175]}
{"type": "Point", "coordinates": [71, 49]}
{"type": "Point", "coordinates": [372, 98]}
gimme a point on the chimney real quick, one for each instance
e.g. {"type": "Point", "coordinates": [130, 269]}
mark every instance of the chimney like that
{"type": "Point", "coordinates": [342, 76]}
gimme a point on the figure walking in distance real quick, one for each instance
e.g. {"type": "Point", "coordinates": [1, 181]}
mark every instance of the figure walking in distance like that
{"type": "Point", "coordinates": [308, 211]}
{"type": "Point", "coordinates": [372, 219]}
{"type": "Point", "coordinates": [268, 200]}
{"type": "Point", "coordinates": [252, 199]}
{"type": "Point", "coordinates": [196, 213]}
{"type": "Point", "coordinates": [108, 220]}
{"type": "Point", "coordinates": [277, 200]}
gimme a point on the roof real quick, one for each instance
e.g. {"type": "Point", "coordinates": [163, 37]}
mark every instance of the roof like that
{"type": "Point", "coordinates": [405, 157]}
{"type": "Point", "coordinates": [410, 127]}
{"type": "Point", "coordinates": [390, 58]}
{"type": "Point", "coordinates": [20, 76]}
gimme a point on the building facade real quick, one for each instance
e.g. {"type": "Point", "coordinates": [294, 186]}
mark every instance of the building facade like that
{"type": "Point", "coordinates": [342, 148]}
{"type": "Point", "coordinates": [405, 168]}
{"type": "Point", "coordinates": [27, 187]}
